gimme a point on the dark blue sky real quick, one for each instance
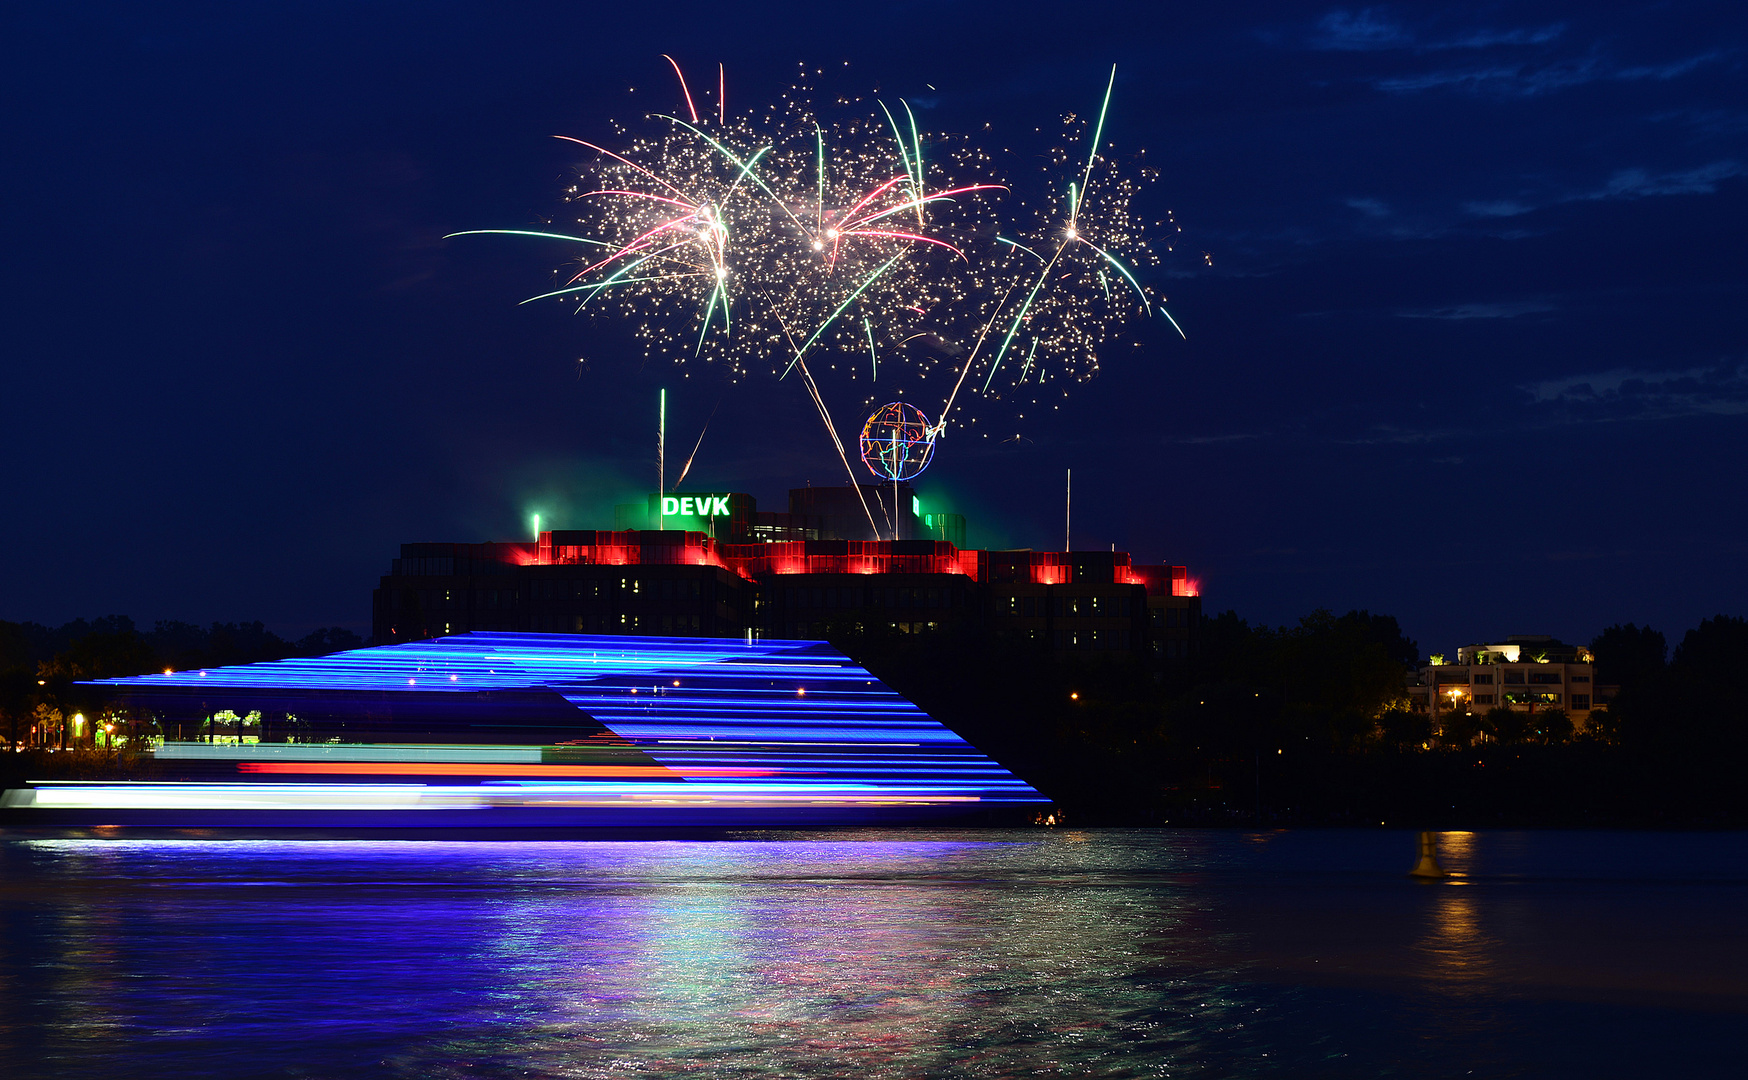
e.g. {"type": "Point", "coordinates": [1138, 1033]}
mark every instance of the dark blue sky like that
{"type": "Point", "coordinates": [1470, 350]}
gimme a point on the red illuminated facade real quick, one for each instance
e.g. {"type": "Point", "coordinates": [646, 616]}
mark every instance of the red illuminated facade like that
{"type": "Point", "coordinates": [672, 582]}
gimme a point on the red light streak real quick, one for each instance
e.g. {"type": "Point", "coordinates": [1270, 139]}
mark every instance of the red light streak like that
{"type": "Point", "coordinates": [453, 768]}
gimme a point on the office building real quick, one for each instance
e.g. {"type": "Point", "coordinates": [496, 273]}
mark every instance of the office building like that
{"type": "Point", "coordinates": [721, 568]}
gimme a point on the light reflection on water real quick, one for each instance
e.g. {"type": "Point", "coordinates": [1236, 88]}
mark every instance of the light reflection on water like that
{"type": "Point", "coordinates": [880, 954]}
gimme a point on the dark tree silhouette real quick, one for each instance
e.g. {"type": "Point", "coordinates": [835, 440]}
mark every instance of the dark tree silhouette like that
{"type": "Point", "coordinates": [1628, 655]}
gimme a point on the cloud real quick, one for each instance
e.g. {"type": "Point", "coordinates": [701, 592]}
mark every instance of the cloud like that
{"type": "Point", "coordinates": [1673, 70]}
{"type": "Point", "coordinates": [1502, 310]}
{"type": "Point", "coordinates": [1498, 208]}
{"type": "Point", "coordinates": [1369, 30]}
{"type": "Point", "coordinates": [1370, 207]}
{"type": "Point", "coordinates": [1520, 80]}
{"type": "Point", "coordinates": [1486, 39]}
{"type": "Point", "coordinates": [1639, 183]}
{"type": "Point", "coordinates": [1360, 31]}
{"type": "Point", "coordinates": [1529, 80]}
{"type": "Point", "coordinates": [1634, 183]}
{"type": "Point", "coordinates": [1627, 393]}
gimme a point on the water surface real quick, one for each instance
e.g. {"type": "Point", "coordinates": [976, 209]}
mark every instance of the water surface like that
{"type": "Point", "coordinates": [877, 954]}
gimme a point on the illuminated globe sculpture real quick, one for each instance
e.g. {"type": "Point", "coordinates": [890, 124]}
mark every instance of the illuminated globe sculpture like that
{"type": "Point", "coordinates": [897, 441]}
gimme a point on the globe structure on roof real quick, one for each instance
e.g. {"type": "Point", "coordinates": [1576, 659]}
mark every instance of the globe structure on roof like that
{"type": "Point", "coordinates": [897, 441]}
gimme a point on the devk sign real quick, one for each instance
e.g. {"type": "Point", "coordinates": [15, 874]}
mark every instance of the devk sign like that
{"type": "Point", "coordinates": [695, 506]}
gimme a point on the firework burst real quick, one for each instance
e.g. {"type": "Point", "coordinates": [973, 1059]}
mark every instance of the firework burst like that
{"type": "Point", "coordinates": [846, 245]}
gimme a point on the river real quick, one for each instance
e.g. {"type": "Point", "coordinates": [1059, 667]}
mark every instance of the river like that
{"type": "Point", "coordinates": [885, 953]}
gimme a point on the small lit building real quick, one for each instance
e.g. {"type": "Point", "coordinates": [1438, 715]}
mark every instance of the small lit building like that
{"type": "Point", "coordinates": [1526, 672]}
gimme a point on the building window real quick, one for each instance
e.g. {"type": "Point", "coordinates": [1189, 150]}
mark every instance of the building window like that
{"type": "Point", "coordinates": [1511, 676]}
{"type": "Point", "coordinates": [1483, 678]}
{"type": "Point", "coordinates": [1483, 699]}
{"type": "Point", "coordinates": [1581, 701]}
{"type": "Point", "coordinates": [1544, 677]}
{"type": "Point", "coordinates": [1580, 678]}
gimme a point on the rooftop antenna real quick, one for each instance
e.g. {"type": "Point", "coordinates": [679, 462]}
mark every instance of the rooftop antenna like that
{"type": "Point", "coordinates": [661, 457]}
{"type": "Point", "coordinates": [1068, 513]}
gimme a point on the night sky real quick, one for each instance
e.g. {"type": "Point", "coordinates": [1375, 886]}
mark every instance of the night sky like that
{"type": "Point", "coordinates": [1466, 345]}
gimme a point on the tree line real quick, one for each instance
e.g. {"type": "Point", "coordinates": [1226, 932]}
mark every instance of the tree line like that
{"type": "Point", "coordinates": [1311, 722]}
{"type": "Point", "coordinates": [1304, 723]}
{"type": "Point", "coordinates": [42, 705]}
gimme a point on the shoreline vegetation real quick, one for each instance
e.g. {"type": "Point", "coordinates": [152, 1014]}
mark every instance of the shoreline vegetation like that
{"type": "Point", "coordinates": [1310, 724]}
{"type": "Point", "coordinates": [1304, 725]}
